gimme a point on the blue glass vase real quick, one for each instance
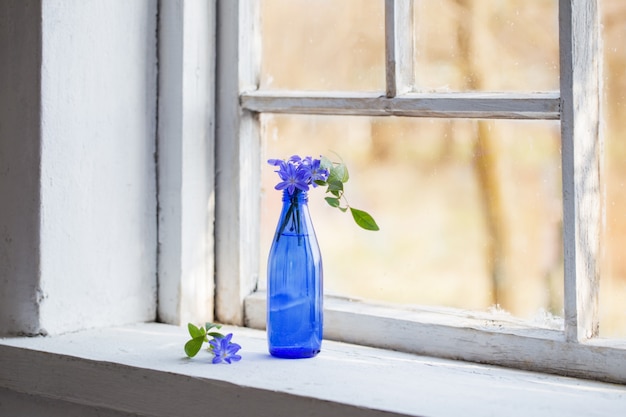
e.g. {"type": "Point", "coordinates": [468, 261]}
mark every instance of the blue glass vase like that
{"type": "Point", "coordinates": [294, 283]}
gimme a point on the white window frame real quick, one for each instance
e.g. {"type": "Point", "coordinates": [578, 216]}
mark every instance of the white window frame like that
{"type": "Point", "coordinates": [575, 351]}
{"type": "Point", "coordinates": [186, 168]}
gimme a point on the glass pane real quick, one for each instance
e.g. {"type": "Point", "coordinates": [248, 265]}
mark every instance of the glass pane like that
{"type": "Point", "coordinates": [613, 267]}
{"type": "Point", "coordinates": [493, 45]}
{"type": "Point", "coordinates": [470, 212]}
{"type": "Point", "coordinates": [323, 45]}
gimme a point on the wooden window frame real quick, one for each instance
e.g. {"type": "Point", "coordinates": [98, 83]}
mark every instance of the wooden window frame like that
{"type": "Point", "coordinates": [576, 350]}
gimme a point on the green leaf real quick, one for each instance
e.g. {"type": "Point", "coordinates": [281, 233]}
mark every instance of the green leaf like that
{"type": "Point", "coordinates": [363, 219]}
{"type": "Point", "coordinates": [193, 346]}
{"type": "Point", "coordinates": [320, 183]}
{"type": "Point", "coordinates": [195, 331]}
{"type": "Point", "coordinates": [339, 173]}
{"type": "Point", "coordinates": [210, 326]}
{"type": "Point", "coordinates": [343, 170]}
{"type": "Point", "coordinates": [332, 201]}
{"type": "Point", "coordinates": [334, 185]}
{"type": "Point", "coordinates": [326, 163]}
{"type": "Point", "coordinates": [216, 335]}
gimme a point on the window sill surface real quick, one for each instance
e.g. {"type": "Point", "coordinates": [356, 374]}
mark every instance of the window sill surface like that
{"type": "Point", "coordinates": [142, 369]}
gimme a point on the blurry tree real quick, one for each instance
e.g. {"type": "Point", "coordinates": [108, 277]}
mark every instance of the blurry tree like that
{"type": "Point", "coordinates": [485, 154]}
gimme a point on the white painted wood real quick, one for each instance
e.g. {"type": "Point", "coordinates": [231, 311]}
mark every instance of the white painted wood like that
{"type": "Point", "coordinates": [398, 46]}
{"type": "Point", "coordinates": [98, 174]}
{"type": "Point", "coordinates": [238, 159]}
{"type": "Point", "coordinates": [186, 167]}
{"type": "Point", "coordinates": [582, 153]}
{"type": "Point", "coordinates": [81, 245]}
{"type": "Point", "coordinates": [448, 105]}
{"type": "Point", "coordinates": [496, 339]}
{"type": "Point", "coordinates": [141, 369]}
{"type": "Point", "coordinates": [20, 155]}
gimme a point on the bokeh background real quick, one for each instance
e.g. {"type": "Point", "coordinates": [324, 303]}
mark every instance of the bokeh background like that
{"type": "Point", "coordinates": [469, 210]}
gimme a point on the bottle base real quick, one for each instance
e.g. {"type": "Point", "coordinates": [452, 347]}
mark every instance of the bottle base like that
{"type": "Point", "coordinates": [293, 353]}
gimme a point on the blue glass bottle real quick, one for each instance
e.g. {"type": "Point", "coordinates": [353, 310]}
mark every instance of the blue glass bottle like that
{"type": "Point", "coordinates": [294, 283]}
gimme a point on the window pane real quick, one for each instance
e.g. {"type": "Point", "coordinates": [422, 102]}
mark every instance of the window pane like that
{"type": "Point", "coordinates": [613, 267]}
{"type": "Point", "coordinates": [465, 223]}
{"type": "Point", "coordinates": [495, 45]}
{"type": "Point", "coordinates": [323, 45]}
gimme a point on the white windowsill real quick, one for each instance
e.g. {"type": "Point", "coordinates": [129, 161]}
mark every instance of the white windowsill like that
{"type": "Point", "coordinates": [487, 338]}
{"type": "Point", "coordinates": [142, 369]}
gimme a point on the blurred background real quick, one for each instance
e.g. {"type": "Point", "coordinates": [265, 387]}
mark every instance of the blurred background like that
{"type": "Point", "coordinates": [469, 210]}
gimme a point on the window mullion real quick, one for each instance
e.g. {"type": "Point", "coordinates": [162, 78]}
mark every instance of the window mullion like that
{"type": "Point", "coordinates": [581, 153]}
{"type": "Point", "coordinates": [398, 46]}
{"type": "Point", "coordinates": [448, 105]}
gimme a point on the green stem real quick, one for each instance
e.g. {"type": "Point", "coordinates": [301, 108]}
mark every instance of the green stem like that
{"type": "Point", "coordinates": [281, 229]}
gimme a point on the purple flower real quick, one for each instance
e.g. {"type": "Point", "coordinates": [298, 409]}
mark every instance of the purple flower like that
{"type": "Point", "coordinates": [292, 177]}
{"type": "Point", "coordinates": [315, 171]}
{"type": "Point", "coordinates": [224, 349]}
{"type": "Point", "coordinates": [298, 173]}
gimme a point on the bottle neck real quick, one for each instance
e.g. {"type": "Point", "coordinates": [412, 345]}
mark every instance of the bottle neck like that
{"type": "Point", "coordinates": [298, 196]}
{"type": "Point", "coordinates": [294, 216]}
